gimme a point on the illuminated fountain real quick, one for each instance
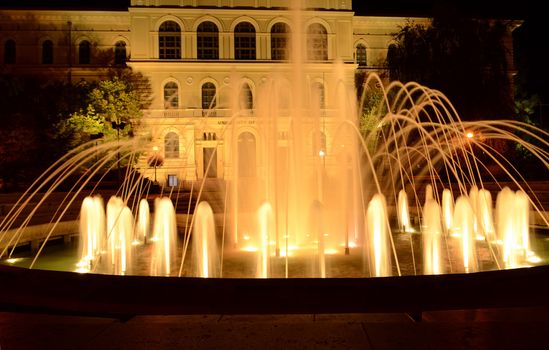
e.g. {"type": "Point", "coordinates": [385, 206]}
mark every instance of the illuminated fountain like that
{"type": "Point", "coordinates": [306, 192]}
{"type": "Point", "coordinates": [307, 206]}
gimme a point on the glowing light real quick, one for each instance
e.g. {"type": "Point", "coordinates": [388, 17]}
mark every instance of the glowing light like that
{"type": "Point", "coordinates": [155, 148]}
{"type": "Point", "coordinates": [136, 242]}
{"type": "Point", "coordinates": [246, 237]}
{"type": "Point", "coordinates": [13, 260]}
{"type": "Point", "coordinates": [83, 264]}
{"type": "Point", "coordinates": [330, 251]}
{"type": "Point", "coordinates": [283, 253]}
{"type": "Point", "coordinates": [352, 244]}
{"type": "Point", "coordinates": [470, 135]}
{"type": "Point", "coordinates": [321, 153]}
{"type": "Point", "coordinates": [534, 259]}
{"type": "Point", "coordinates": [82, 270]}
{"type": "Point", "coordinates": [249, 248]}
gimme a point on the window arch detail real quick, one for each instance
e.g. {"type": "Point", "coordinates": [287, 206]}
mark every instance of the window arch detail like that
{"type": "Point", "coordinates": [47, 52]}
{"type": "Point", "coordinates": [207, 36]}
{"type": "Point", "coordinates": [171, 95]}
{"type": "Point", "coordinates": [360, 55]}
{"type": "Point", "coordinates": [246, 154]}
{"type": "Point", "coordinates": [84, 52]}
{"type": "Point", "coordinates": [171, 145]}
{"type": "Point", "coordinates": [246, 98]}
{"type": "Point", "coordinates": [9, 52]}
{"type": "Point", "coordinates": [120, 55]}
{"type": "Point", "coordinates": [317, 42]}
{"type": "Point", "coordinates": [318, 95]}
{"type": "Point", "coordinates": [244, 41]}
{"type": "Point", "coordinates": [169, 41]}
{"type": "Point", "coordinates": [280, 42]}
{"type": "Point", "coordinates": [208, 96]}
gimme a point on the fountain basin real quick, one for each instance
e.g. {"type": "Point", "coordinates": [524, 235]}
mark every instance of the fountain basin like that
{"type": "Point", "coordinates": [58, 292]}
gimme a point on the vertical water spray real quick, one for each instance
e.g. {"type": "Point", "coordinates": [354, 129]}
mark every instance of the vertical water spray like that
{"type": "Point", "coordinates": [317, 234]}
{"type": "Point", "coordinates": [124, 241]}
{"type": "Point", "coordinates": [265, 221]}
{"type": "Point", "coordinates": [119, 235]}
{"type": "Point", "coordinates": [464, 227]}
{"type": "Point", "coordinates": [522, 206]}
{"type": "Point", "coordinates": [447, 209]}
{"type": "Point", "coordinates": [92, 231]}
{"type": "Point", "coordinates": [377, 239]}
{"type": "Point", "coordinates": [428, 193]}
{"type": "Point", "coordinates": [143, 221]}
{"type": "Point", "coordinates": [164, 237]}
{"type": "Point", "coordinates": [431, 234]}
{"type": "Point", "coordinates": [474, 201]}
{"type": "Point", "coordinates": [205, 253]}
{"type": "Point", "coordinates": [512, 227]}
{"type": "Point", "coordinates": [403, 212]}
{"type": "Point", "coordinates": [485, 215]}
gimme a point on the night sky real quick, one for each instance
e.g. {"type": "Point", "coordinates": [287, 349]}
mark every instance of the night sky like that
{"type": "Point", "coordinates": [483, 8]}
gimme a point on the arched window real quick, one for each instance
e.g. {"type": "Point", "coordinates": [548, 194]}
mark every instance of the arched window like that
{"type": "Point", "coordinates": [246, 97]}
{"type": "Point", "coordinates": [207, 41]}
{"type": "Point", "coordinates": [120, 53]}
{"type": "Point", "coordinates": [84, 52]}
{"type": "Point", "coordinates": [244, 41]}
{"type": "Point", "coordinates": [318, 96]}
{"type": "Point", "coordinates": [171, 95]}
{"type": "Point", "coordinates": [208, 96]}
{"type": "Point", "coordinates": [47, 52]}
{"type": "Point", "coordinates": [317, 42]}
{"type": "Point", "coordinates": [9, 52]}
{"type": "Point", "coordinates": [169, 41]}
{"type": "Point", "coordinates": [171, 145]}
{"type": "Point", "coordinates": [246, 155]}
{"type": "Point", "coordinates": [361, 55]}
{"type": "Point", "coordinates": [280, 42]}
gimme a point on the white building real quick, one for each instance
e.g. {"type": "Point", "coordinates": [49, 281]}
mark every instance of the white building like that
{"type": "Point", "coordinates": [207, 60]}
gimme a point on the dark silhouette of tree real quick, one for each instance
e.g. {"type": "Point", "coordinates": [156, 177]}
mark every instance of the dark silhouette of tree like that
{"type": "Point", "coordinates": [465, 58]}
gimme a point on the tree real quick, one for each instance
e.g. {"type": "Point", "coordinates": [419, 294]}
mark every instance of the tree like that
{"type": "Point", "coordinates": [113, 109]}
{"type": "Point", "coordinates": [464, 58]}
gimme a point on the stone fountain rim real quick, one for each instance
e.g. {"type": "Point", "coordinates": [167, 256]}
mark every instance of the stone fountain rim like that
{"type": "Point", "coordinates": [58, 292]}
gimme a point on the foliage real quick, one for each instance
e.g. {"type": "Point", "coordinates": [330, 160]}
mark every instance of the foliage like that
{"type": "Point", "coordinates": [113, 109]}
{"type": "Point", "coordinates": [371, 114]}
{"type": "Point", "coordinates": [42, 118]}
{"type": "Point", "coordinates": [525, 108]}
{"type": "Point", "coordinates": [464, 58]}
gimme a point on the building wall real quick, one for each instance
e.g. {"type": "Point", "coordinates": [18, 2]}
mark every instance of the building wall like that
{"type": "Point", "coordinates": [196, 128]}
{"type": "Point", "coordinates": [66, 29]}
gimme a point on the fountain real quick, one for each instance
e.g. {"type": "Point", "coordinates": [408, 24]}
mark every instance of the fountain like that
{"type": "Point", "coordinates": [306, 194]}
{"type": "Point", "coordinates": [296, 205]}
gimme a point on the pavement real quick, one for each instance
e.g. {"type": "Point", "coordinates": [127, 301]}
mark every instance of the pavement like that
{"type": "Point", "coordinates": [518, 328]}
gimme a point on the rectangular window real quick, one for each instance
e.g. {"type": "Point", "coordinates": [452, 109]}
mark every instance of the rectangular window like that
{"type": "Point", "coordinates": [172, 181]}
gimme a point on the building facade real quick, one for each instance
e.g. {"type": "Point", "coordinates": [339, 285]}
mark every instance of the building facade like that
{"type": "Point", "coordinates": [213, 67]}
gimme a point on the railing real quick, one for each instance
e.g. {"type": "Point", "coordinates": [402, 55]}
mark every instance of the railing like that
{"type": "Point", "coordinates": [187, 113]}
{"type": "Point", "coordinates": [219, 113]}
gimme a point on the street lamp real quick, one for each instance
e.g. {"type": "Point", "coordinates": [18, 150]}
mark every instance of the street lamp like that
{"type": "Point", "coordinates": [155, 160]}
{"type": "Point", "coordinates": [155, 149]}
